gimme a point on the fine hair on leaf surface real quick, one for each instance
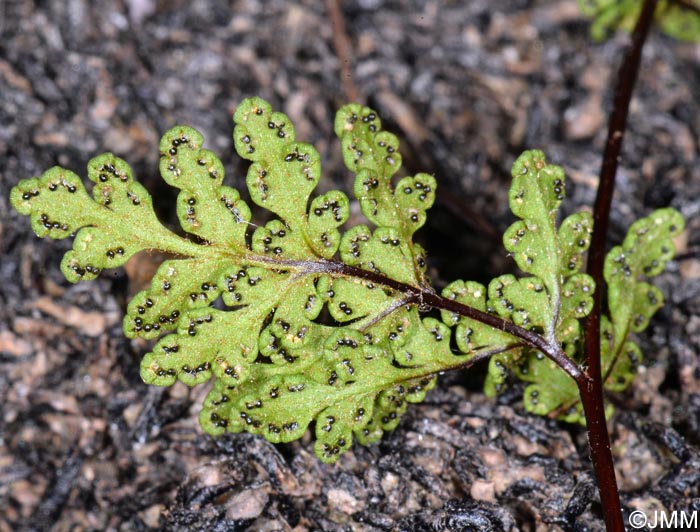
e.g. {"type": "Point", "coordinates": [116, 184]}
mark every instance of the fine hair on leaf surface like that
{"type": "Point", "coordinates": [301, 323]}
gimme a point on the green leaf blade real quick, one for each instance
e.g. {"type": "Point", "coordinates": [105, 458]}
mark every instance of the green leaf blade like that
{"type": "Point", "coordinates": [574, 238]}
{"type": "Point", "coordinates": [632, 301]}
{"type": "Point", "coordinates": [470, 335]}
{"type": "Point", "coordinates": [646, 250]}
{"type": "Point", "coordinates": [679, 20]}
{"type": "Point", "coordinates": [326, 214]}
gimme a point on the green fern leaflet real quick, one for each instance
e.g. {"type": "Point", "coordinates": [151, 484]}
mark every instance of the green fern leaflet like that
{"type": "Point", "coordinates": [299, 321]}
{"type": "Point", "coordinates": [678, 18]}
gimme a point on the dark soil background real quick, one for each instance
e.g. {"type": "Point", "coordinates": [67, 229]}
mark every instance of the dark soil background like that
{"type": "Point", "coordinates": [85, 445]}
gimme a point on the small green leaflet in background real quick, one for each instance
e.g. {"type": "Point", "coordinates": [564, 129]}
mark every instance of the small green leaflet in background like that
{"type": "Point", "coordinates": [632, 301]}
{"type": "Point", "coordinates": [279, 318]}
{"type": "Point", "coordinates": [680, 20]}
